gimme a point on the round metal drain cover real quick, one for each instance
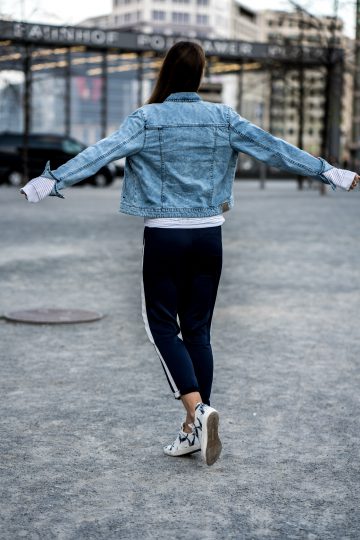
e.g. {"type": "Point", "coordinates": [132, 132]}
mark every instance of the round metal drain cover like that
{"type": "Point", "coordinates": [53, 316]}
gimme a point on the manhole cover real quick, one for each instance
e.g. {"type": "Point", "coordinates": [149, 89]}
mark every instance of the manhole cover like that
{"type": "Point", "coordinates": [53, 316]}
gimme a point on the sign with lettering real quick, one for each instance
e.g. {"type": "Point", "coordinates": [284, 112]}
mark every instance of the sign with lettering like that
{"type": "Point", "coordinates": [44, 34]}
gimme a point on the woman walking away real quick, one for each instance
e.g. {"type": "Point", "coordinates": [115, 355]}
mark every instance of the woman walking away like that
{"type": "Point", "coordinates": [181, 154]}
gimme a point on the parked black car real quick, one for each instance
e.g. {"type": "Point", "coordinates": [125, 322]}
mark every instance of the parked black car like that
{"type": "Point", "coordinates": [41, 148]}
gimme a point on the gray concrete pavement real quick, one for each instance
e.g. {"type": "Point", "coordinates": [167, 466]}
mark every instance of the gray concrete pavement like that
{"type": "Point", "coordinates": [85, 408]}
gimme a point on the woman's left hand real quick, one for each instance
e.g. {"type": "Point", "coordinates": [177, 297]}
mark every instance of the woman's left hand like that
{"type": "Point", "coordinates": [355, 182]}
{"type": "Point", "coordinates": [37, 189]}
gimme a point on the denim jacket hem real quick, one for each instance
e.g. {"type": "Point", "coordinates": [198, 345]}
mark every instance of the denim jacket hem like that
{"type": "Point", "coordinates": [176, 212]}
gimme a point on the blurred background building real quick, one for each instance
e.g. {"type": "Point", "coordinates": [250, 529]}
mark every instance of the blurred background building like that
{"type": "Point", "coordinates": [297, 97]}
{"type": "Point", "coordinates": [289, 103]}
{"type": "Point", "coordinates": [227, 19]}
{"type": "Point", "coordinates": [202, 18]}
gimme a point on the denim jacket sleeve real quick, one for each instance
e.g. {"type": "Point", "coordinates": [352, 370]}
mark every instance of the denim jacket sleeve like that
{"type": "Point", "coordinates": [127, 140]}
{"type": "Point", "coordinates": [251, 139]}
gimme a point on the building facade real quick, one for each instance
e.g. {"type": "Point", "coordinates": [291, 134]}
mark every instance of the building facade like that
{"type": "Point", "coordinates": [274, 98]}
{"type": "Point", "coordinates": [228, 19]}
{"type": "Point", "coordinates": [296, 97]}
{"type": "Point", "coordinates": [206, 18]}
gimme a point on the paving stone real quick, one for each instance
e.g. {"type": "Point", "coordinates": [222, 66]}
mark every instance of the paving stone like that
{"type": "Point", "coordinates": [86, 409]}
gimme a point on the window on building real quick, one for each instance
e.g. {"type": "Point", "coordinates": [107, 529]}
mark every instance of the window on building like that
{"type": "Point", "coordinates": [202, 2]}
{"type": "Point", "coordinates": [158, 15]}
{"type": "Point", "coordinates": [127, 17]}
{"type": "Point", "coordinates": [202, 19]}
{"type": "Point", "coordinates": [179, 17]}
{"type": "Point", "coordinates": [246, 13]}
{"type": "Point", "coordinates": [181, 1]}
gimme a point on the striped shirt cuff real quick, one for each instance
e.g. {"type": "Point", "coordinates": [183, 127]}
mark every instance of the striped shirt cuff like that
{"type": "Point", "coordinates": [38, 188]}
{"type": "Point", "coordinates": [341, 177]}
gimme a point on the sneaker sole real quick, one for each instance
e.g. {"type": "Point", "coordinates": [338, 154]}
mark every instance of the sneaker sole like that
{"type": "Point", "coordinates": [183, 453]}
{"type": "Point", "coordinates": [210, 443]}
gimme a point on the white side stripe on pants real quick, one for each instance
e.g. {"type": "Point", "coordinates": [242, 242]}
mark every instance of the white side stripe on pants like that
{"type": "Point", "coordinates": [150, 336]}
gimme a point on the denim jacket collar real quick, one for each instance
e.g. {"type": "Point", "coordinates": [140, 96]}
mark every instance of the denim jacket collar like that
{"type": "Point", "coordinates": [183, 96]}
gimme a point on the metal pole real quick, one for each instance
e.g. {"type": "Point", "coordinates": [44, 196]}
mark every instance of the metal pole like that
{"type": "Point", "coordinates": [325, 130]}
{"type": "Point", "coordinates": [67, 96]}
{"type": "Point", "coordinates": [27, 111]}
{"type": "Point", "coordinates": [330, 144]}
{"type": "Point", "coordinates": [355, 147]}
{"type": "Point", "coordinates": [260, 121]}
{"type": "Point", "coordinates": [333, 95]}
{"type": "Point", "coordinates": [240, 87]}
{"type": "Point", "coordinates": [272, 104]}
{"type": "Point", "coordinates": [262, 163]}
{"type": "Point", "coordinates": [333, 107]}
{"type": "Point", "coordinates": [140, 78]}
{"type": "Point", "coordinates": [300, 141]}
{"type": "Point", "coordinates": [104, 95]}
{"type": "Point", "coordinates": [239, 100]}
{"type": "Point", "coordinates": [277, 102]}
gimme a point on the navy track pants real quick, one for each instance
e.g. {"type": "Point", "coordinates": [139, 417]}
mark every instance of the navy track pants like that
{"type": "Point", "coordinates": [181, 273]}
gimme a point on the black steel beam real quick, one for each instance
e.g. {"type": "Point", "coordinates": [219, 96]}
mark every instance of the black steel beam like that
{"type": "Point", "coordinates": [98, 38]}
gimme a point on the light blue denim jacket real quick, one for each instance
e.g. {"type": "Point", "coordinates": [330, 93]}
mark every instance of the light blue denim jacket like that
{"type": "Point", "coordinates": [181, 157]}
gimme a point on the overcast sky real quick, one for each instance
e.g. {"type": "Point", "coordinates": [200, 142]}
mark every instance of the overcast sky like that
{"type": "Point", "coordinates": [73, 11]}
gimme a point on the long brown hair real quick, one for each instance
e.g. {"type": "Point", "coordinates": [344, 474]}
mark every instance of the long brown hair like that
{"type": "Point", "coordinates": [181, 71]}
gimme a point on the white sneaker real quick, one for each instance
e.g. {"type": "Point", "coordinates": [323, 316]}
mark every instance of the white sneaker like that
{"type": "Point", "coordinates": [185, 443]}
{"type": "Point", "coordinates": [206, 428]}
